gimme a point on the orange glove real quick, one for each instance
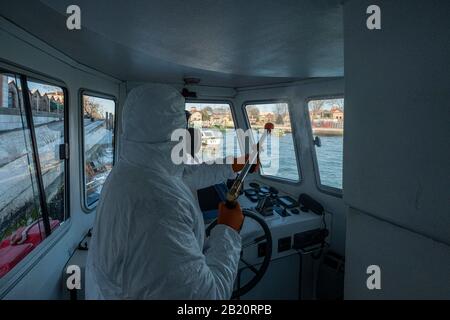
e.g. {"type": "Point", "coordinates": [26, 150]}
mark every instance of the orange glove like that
{"type": "Point", "coordinates": [239, 164]}
{"type": "Point", "coordinates": [230, 217]}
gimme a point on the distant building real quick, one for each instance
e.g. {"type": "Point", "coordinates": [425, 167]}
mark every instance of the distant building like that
{"type": "Point", "coordinates": [196, 119]}
{"type": "Point", "coordinates": [337, 113]}
{"type": "Point", "coordinates": [269, 117]}
{"type": "Point", "coordinates": [326, 114]}
{"type": "Point", "coordinates": [48, 102]}
{"type": "Point", "coordinates": [11, 97]}
{"type": "Point", "coordinates": [14, 95]}
{"type": "Point", "coordinates": [3, 91]}
{"type": "Point", "coordinates": [196, 116]}
{"type": "Point", "coordinates": [39, 102]}
{"type": "Point", "coordinates": [253, 119]}
{"type": "Point", "coordinates": [217, 120]}
{"type": "Point", "coordinates": [265, 117]}
{"type": "Point", "coordinates": [314, 115]}
{"type": "Point", "coordinates": [56, 96]}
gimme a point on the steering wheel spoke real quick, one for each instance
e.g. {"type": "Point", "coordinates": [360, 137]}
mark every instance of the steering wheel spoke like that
{"type": "Point", "coordinates": [258, 273]}
{"type": "Point", "coordinates": [249, 266]}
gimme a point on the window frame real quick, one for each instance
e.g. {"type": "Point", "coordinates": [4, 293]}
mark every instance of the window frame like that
{"type": "Point", "coordinates": [329, 190]}
{"type": "Point", "coordinates": [66, 139]}
{"type": "Point", "coordinates": [297, 144]}
{"type": "Point", "coordinates": [25, 265]}
{"type": "Point", "coordinates": [96, 94]}
{"type": "Point", "coordinates": [218, 101]}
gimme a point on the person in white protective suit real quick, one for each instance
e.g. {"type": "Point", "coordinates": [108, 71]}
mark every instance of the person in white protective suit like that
{"type": "Point", "coordinates": [148, 239]}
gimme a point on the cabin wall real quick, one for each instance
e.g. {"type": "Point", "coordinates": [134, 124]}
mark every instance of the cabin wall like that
{"type": "Point", "coordinates": [42, 269]}
{"type": "Point", "coordinates": [396, 155]}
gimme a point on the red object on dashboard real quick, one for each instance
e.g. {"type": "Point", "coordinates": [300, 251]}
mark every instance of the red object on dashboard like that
{"type": "Point", "coordinates": [34, 233]}
{"type": "Point", "coordinates": [14, 248]}
{"type": "Point", "coordinates": [11, 255]}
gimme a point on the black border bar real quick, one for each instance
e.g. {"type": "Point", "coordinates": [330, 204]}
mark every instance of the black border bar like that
{"type": "Point", "coordinates": [37, 162]}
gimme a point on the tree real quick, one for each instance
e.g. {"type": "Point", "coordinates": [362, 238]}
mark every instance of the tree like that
{"type": "Point", "coordinates": [316, 106]}
{"type": "Point", "coordinates": [280, 112]}
{"type": "Point", "coordinates": [253, 112]}
{"type": "Point", "coordinates": [205, 115]}
{"type": "Point", "coordinates": [280, 109]}
{"type": "Point", "coordinates": [208, 110]}
{"type": "Point", "coordinates": [269, 117]}
{"type": "Point", "coordinates": [93, 110]}
{"type": "Point", "coordinates": [279, 119]}
{"type": "Point", "coordinates": [337, 102]}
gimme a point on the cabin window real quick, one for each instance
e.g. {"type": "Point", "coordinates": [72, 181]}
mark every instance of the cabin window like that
{"type": "Point", "coordinates": [32, 170]}
{"type": "Point", "coordinates": [218, 133]}
{"type": "Point", "coordinates": [278, 157]}
{"type": "Point", "coordinates": [47, 104]}
{"type": "Point", "coordinates": [327, 123]}
{"type": "Point", "coordinates": [99, 114]}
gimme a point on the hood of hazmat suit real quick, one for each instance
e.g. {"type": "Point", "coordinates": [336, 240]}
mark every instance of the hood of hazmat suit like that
{"type": "Point", "coordinates": [148, 238]}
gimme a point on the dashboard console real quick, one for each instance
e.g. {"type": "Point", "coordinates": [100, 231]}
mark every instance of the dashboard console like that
{"type": "Point", "coordinates": [294, 228]}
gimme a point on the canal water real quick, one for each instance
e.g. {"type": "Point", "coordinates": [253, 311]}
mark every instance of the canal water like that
{"type": "Point", "coordinates": [329, 158]}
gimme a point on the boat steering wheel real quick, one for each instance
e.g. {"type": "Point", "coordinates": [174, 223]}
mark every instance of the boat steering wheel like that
{"type": "Point", "coordinates": [240, 290]}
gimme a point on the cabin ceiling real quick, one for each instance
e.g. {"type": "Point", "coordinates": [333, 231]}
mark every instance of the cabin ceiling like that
{"type": "Point", "coordinates": [229, 43]}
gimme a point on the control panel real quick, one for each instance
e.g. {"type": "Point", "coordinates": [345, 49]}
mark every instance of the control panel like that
{"type": "Point", "coordinates": [293, 226]}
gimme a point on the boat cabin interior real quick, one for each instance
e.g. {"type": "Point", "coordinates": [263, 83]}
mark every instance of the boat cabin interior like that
{"type": "Point", "coordinates": [349, 101]}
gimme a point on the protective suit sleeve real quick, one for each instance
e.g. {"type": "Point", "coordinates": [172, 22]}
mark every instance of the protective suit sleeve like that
{"type": "Point", "coordinates": [186, 272]}
{"type": "Point", "coordinates": [204, 175]}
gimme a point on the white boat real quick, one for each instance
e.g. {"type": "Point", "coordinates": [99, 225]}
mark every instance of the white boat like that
{"type": "Point", "coordinates": [211, 138]}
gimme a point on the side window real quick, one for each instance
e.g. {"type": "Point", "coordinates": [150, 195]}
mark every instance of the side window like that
{"type": "Point", "coordinates": [327, 123]}
{"type": "Point", "coordinates": [32, 197]}
{"type": "Point", "coordinates": [47, 106]}
{"type": "Point", "coordinates": [98, 143]}
{"type": "Point", "coordinates": [218, 133]}
{"type": "Point", "coordinates": [279, 158]}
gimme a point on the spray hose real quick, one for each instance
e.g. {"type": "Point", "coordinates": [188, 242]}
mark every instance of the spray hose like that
{"type": "Point", "coordinates": [235, 189]}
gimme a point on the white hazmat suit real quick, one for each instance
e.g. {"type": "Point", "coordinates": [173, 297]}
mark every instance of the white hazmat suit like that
{"type": "Point", "coordinates": [148, 240]}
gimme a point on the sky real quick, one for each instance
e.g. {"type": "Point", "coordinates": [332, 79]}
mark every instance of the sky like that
{"type": "Point", "coordinates": [329, 103]}
{"type": "Point", "coordinates": [106, 105]}
{"type": "Point", "coordinates": [269, 107]}
{"type": "Point", "coordinates": [200, 106]}
{"type": "Point", "coordinates": [43, 88]}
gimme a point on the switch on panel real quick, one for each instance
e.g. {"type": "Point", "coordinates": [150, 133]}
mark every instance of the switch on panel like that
{"type": "Point", "coordinates": [262, 249]}
{"type": "Point", "coordinates": [284, 244]}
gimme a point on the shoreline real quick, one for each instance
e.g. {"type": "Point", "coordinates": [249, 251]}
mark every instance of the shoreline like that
{"type": "Point", "coordinates": [328, 132]}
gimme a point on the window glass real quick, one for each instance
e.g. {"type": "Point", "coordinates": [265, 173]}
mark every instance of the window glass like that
{"type": "Point", "coordinates": [327, 123]}
{"type": "Point", "coordinates": [47, 105]}
{"type": "Point", "coordinates": [218, 134]}
{"type": "Point", "coordinates": [278, 158]}
{"type": "Point", "coordinates": [21, 225]}
{"type": "Point", "coordinates": [99, 131]}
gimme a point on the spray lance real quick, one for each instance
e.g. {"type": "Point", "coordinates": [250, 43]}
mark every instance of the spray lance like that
{"type": "Point", "coordinates": [235, 189]}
